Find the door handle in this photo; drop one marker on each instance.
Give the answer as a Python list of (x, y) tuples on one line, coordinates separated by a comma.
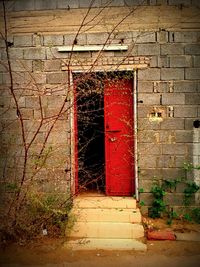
[(113, 139), (113, 131)]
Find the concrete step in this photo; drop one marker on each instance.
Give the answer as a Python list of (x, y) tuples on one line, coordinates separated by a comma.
[(105, 244), (105, 202), (106, 230), (107, 215)]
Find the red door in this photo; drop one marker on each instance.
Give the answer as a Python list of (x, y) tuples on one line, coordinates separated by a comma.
[(119, 137)]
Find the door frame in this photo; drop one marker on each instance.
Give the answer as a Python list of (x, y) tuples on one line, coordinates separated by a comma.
[(74, 130)]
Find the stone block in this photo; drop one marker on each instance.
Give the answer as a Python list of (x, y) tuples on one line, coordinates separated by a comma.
[(198, 107), (154, 62), (52, 65), (147, 161), (145, 87), (20, 77), (184, 37), (192, 99), (143, 111), (152, 74), (185, 86), (185, 112), (162, 37), (172, 74), (53, 40), (144, 37), (149, 149), (4, 66), (163, 87), (174, 199), (15, 53), (189, 123), (183, 136), (21, 65), (161, 235), (97, 38), (196, 149), (173, 173), (145, 124), (38, 65), (32, 102), (192, 49), (172, 123), (179, 161), (149, 99), (172, 49), (146, 185), (148, 136), (165, 161), (2, 43), (64, 4), (34, 53), (119, 37), (24, 5), (180, 61), (192, 73), (27, 113), (163, 61), (52, 53), (55, 101), (1, 78), (38, 78), (42, 5), (25, 40), (185, 3), (56, 77), (196, 61), (96, 3), (167, 136), (150, 173), (37, 40), (69, 39), (113, 3), (173, 99), (149, 49), (146, 198), (173, 149)]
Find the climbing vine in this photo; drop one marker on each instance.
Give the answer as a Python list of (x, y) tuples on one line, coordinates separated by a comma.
[(161, 208)]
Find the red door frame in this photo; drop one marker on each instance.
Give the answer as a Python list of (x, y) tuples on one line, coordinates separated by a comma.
[(75, 126)]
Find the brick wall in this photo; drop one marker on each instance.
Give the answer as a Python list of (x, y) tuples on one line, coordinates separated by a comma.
[(171, 81)]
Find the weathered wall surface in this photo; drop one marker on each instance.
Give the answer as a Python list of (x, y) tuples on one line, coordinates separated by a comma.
[(166, 31)]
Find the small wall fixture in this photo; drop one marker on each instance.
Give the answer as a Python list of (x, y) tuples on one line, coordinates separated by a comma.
[(196, 124), (155, 116)]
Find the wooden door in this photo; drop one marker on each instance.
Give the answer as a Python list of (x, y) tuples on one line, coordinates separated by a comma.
[(119, 137)]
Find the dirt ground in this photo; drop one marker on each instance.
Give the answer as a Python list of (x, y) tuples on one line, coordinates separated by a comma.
[(51, 253)]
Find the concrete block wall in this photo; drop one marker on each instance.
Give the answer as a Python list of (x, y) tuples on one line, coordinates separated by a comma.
[(37, 82), (170, 83)]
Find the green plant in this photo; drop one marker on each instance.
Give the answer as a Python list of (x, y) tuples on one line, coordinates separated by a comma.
[(142, 203), (189, 191), (187, 217), (171, 216), (196, 215), (158, 204)]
